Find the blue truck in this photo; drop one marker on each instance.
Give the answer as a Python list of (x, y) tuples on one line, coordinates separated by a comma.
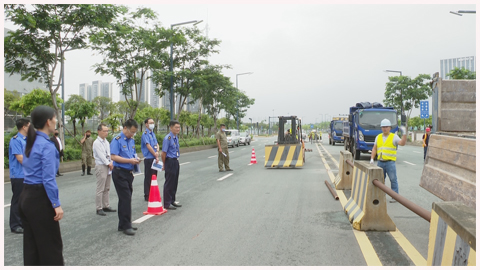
[(335, 134), (363, 126)]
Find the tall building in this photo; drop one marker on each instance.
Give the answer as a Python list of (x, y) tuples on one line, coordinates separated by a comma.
[(446, 65), (83, 90), (95, 89), (154, 98), (106, 90)]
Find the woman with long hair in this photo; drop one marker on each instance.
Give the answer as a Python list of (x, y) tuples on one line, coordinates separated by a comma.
[(40, 209)]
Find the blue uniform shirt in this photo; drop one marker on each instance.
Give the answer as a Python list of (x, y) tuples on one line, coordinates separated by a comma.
[(42, 166), (123, 147), (149, 137), (170, 146), (16, 147)]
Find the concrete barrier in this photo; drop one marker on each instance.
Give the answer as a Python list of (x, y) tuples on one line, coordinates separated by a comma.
[(76, 165), (452, 237), (344, 177), (450, 169), (367, 208)]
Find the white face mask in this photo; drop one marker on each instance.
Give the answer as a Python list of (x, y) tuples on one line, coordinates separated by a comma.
[(223, 129), (151, 126)]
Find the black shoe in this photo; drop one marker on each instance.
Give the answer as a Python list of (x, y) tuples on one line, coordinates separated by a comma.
[(129, 231), (101, 213), (109, 209), (133, 228), (221, 170), (146, 199), (18, 230), (229, 170), (171, 207), (83, 173), (59, 175), (176, 204), (90, 173)]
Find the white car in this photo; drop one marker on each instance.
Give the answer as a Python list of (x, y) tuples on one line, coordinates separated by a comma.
[(233, 137), (245, 138)]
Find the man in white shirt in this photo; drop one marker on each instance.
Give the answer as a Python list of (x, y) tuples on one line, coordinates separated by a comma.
[(103, 168)]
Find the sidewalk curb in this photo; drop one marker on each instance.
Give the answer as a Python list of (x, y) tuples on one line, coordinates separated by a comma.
[(76, 165)]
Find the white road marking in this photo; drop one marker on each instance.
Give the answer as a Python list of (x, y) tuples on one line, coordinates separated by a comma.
[(142, 219), (212, 156), (409, 163), (250, 164), (243, 148), (226, 176), (232, 151), (417, 152), (6, 205), (184, 163)]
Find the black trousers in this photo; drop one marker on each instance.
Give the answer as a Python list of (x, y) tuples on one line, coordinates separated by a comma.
[(123, 180), (172, 170), (42, 240), (17, 187), (148, 176)]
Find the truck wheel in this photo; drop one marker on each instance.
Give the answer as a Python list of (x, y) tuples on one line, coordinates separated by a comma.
[(355, 152), (248, 143)]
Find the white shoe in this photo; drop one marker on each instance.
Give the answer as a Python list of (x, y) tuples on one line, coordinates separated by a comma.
[(393, 200)]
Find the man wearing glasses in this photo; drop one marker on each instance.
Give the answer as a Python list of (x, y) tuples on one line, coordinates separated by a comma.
[(103, 168), (122, 150), (385, 147)]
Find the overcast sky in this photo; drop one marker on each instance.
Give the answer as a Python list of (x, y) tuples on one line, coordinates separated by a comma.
[(311, 60)]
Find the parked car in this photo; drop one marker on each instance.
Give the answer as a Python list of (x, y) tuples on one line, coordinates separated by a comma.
[(245, 138), (233, 137)]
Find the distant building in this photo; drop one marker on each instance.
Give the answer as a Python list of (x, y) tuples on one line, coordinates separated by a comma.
[(95, 89), (154, 98), (14, 81), (83, 90), (446, 65), (106, 90)]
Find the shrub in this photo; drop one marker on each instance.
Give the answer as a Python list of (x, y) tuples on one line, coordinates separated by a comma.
[(72, 154), (6, 162)]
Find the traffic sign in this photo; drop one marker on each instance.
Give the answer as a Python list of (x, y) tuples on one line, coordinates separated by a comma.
[(424, 109), (311, 126)]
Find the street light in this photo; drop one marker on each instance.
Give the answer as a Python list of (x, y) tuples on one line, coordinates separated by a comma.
[(401, 98), (236, 86), (463, 11), (171, 64)]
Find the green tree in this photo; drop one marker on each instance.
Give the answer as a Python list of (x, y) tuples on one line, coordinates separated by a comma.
[(104, 105), (8, 99), (36, 49), (78, 108), (238, 103), (414, 90), (164, 117), (131, 46), (123, 108), (143, 112), (30, 101), (461, 74), (113, 120), (191, 50), (207, 122), (184, 119)]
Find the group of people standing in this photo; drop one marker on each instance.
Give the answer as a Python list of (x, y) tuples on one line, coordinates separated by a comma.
[(34, 162)]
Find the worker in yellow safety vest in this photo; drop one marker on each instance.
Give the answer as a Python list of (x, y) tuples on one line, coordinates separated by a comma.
[(385, 148)]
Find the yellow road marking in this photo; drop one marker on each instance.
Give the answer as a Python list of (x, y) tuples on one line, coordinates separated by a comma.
[(411, 251)]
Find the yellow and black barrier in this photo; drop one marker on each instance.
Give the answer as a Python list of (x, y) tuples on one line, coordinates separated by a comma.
[(452, 237), (284, 155), (367, 208), (344, 177)]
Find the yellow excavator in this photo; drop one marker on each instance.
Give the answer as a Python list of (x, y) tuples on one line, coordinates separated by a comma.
[(289, 149)]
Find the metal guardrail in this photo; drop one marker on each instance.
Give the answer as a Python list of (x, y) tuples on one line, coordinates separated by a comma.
[(404, 201), (334, 193), (350, 163)]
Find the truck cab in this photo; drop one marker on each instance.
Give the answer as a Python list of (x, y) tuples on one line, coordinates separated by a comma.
[(335, 135), (363, 126)]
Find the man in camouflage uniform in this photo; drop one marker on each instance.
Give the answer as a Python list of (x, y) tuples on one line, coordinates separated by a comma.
[(222, 143), (87, 152)]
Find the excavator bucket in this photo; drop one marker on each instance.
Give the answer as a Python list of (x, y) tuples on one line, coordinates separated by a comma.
[(284, 156)]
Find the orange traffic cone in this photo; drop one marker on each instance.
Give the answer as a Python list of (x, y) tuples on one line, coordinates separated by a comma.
[(253, 160), (155, 206)]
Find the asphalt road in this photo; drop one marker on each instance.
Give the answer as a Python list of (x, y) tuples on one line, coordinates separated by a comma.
[(254, 216)]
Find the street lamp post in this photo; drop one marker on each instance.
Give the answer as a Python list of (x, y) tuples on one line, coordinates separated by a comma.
[(236, 86), (251, 125), (402, 118), (171, 64)]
